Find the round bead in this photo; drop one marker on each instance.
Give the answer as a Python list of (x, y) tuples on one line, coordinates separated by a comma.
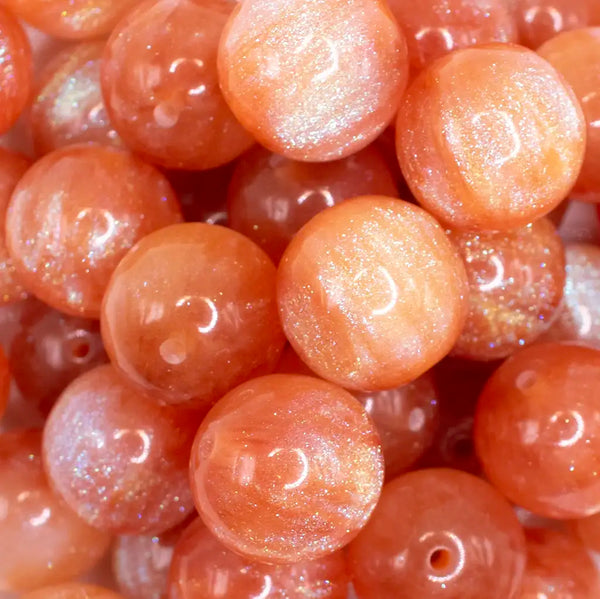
[(162, 90), (537, 430), (73, 590), (74, 215), (188, 329), (204, 569), (286, 468), (68, 107), (371, 293), (271, 197), (117, 458), (516, 281), (498, 158), (42, 542), (439, 533), (313, 84)]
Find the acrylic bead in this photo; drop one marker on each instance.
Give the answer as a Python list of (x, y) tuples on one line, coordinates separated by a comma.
[(439, 533), (271, 197), (516, 281), (117, 458), (313, 84), (73, 590), (286, 468), (74, 215), (371, 293), (42, 541), (490, 138), (537, 430), (191, 329), (171, 110)]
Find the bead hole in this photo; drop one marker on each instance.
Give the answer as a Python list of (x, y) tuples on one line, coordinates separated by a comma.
[(463, 448), (80, 350), (439, 559)]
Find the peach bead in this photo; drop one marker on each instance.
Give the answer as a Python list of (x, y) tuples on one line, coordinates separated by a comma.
[(286, 468), (490, 138), (159, 79), (271, 197), (537, 430), (191, 312), (68, 107), (202, 568), (313, 82), (516, 281), (12, 167), (42, 542), (73, 590), (436, 27), (372, 293), (439, 533), (576, 56), (74, 215)]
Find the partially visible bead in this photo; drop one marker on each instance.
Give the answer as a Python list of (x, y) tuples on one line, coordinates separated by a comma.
[(73, 590)]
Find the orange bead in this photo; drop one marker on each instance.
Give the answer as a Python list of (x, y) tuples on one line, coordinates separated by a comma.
[(75, 214), (202, 568), (576, 56), (190, 312), (171, 110), (537, 430), (68, 107), (286, 468), (516, 281), (436, 27), (73, 590), (490, 138), (315, 82), (42, 542), (271, 197), (371, 293)]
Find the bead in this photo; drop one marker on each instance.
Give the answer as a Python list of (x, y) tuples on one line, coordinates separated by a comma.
[(50, 350), (286, 468), (117, 458), (516, 281), (73, 590), (537, 430), (371, 293), (437, 27), (12, 167), (271, 197), (498, 158), (41, 541), (576, 56), (74, 215), (439, 533), (68, 107), (171, 110), (192, 329), (204, 569), (315, 84)]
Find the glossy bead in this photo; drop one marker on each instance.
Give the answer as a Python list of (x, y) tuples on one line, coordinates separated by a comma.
[(558, 567), (371, 293), (516, 281), (172, 111), (537, 430), (116, 457), (68, 107), (50, 350), (286, 468), (576, 55), (437, 27), (496, 159), (192, 329), (16, 70), (271, 197), (42, 542), (12, 167), (74, 215), (315, 84), (439, 533), (204, 569), (73, 590)]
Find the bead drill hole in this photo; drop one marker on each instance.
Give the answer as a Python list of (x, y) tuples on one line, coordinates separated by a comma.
[(439, 559), (80, 350)]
